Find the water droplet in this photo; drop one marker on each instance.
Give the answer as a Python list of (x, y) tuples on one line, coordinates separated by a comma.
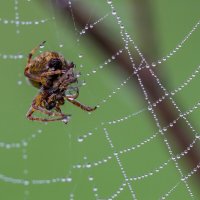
[(80, 55), (66, 119), (89, 133), (80, 139), (78, 166), (69, 179), (77, 75), (153, 64), (149, 107), (84, 83), (164, 129), (39, 131), (26, 182), (90, 178), (24, 143), (114, 12), (88, 165), (41, 46), (19, 82), (171, 124), (83, 31)]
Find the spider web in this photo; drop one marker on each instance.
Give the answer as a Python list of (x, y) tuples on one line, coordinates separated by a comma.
[(120, 151)]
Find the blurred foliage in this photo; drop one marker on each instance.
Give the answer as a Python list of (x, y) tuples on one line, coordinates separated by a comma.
[(54, 151)]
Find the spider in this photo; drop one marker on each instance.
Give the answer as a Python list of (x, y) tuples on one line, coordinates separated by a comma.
[(53, 76)]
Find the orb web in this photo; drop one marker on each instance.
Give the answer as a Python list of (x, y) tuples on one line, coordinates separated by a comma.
[(121, 149)]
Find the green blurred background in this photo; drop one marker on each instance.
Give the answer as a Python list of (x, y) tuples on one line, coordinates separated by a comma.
[(51, 151)]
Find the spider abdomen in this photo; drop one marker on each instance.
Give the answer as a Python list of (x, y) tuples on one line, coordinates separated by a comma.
[(47, 61), (41, 62)]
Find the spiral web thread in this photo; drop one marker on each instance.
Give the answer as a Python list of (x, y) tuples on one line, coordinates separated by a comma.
[(115, 154)]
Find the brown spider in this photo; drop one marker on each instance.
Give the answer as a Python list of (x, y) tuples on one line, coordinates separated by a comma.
[(53, 75)]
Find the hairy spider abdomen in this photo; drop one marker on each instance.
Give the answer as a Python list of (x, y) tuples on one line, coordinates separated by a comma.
[(45, 62)]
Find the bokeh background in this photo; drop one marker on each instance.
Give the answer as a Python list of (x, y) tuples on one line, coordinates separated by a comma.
[(48, 161)]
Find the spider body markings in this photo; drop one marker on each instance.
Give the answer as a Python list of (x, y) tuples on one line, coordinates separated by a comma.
[(53, 75), (45, 67)]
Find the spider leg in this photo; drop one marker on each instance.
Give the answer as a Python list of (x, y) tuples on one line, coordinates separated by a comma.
[(31, 76), (77, 103), (36, 106), (57, 108), (40, 78), (29, 115), (26, 70), (34, 50), (64, 81), (47, 112), (50, 73)]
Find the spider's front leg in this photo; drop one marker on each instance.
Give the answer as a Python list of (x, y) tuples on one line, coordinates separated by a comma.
[(78, 104), (33, 51), (27, 68)]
